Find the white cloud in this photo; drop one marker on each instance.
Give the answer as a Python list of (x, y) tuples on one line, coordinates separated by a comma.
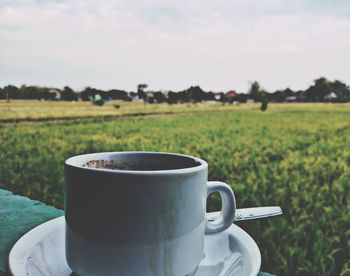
[(173, 44)]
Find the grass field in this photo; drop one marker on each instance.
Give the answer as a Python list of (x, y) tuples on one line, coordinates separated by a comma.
[(31, 110), (295, 156), (22, 110)]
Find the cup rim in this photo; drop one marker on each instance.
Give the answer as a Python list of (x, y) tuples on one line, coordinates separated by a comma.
[(72, 163)]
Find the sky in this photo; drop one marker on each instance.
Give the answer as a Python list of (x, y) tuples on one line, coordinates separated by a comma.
[(173, 44)]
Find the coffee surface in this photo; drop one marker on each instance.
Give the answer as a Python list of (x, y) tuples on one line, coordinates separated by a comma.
[(118, 165)]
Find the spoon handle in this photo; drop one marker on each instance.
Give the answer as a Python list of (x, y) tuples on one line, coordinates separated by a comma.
[(251, 213)]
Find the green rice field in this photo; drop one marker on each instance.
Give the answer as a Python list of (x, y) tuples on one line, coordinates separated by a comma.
[(293, 155)]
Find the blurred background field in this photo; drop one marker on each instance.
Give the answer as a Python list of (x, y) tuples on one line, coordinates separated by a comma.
[(34, 109), (294, 155)]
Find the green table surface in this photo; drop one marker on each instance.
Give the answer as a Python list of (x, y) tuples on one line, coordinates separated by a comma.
[(18, 215)]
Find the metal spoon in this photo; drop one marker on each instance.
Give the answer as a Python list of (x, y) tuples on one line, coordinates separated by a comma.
[(251, 213)]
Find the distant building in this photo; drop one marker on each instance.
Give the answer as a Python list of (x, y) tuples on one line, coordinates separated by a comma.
[(291, 99), (149, 96), (218, 96), (331, 96), (230, 95), (57, 94), (136, 99)]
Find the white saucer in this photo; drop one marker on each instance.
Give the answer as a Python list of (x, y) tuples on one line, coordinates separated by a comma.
[(41, 251)]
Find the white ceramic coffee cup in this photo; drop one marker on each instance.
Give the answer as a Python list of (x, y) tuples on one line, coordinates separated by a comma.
[(140, 222)]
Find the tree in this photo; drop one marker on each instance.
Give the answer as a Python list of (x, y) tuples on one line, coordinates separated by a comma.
[(288, 92), (89, 93), (184, 96), (242, 98), (192, 94), (277, 96), (12, 92), (68, 94), (255, 91), (341, 90), (31, 92), (2, 94), (173, 97), (196, 94), (318, 91), (210, 96), (221, 96), (118, 95), (48, 95), (159, 97), (140, 91), (264, 104)]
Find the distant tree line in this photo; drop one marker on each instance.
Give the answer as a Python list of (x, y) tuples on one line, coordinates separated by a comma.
[(322, 90)]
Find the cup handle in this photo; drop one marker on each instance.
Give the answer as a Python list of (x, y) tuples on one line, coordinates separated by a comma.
[(228, 210)]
